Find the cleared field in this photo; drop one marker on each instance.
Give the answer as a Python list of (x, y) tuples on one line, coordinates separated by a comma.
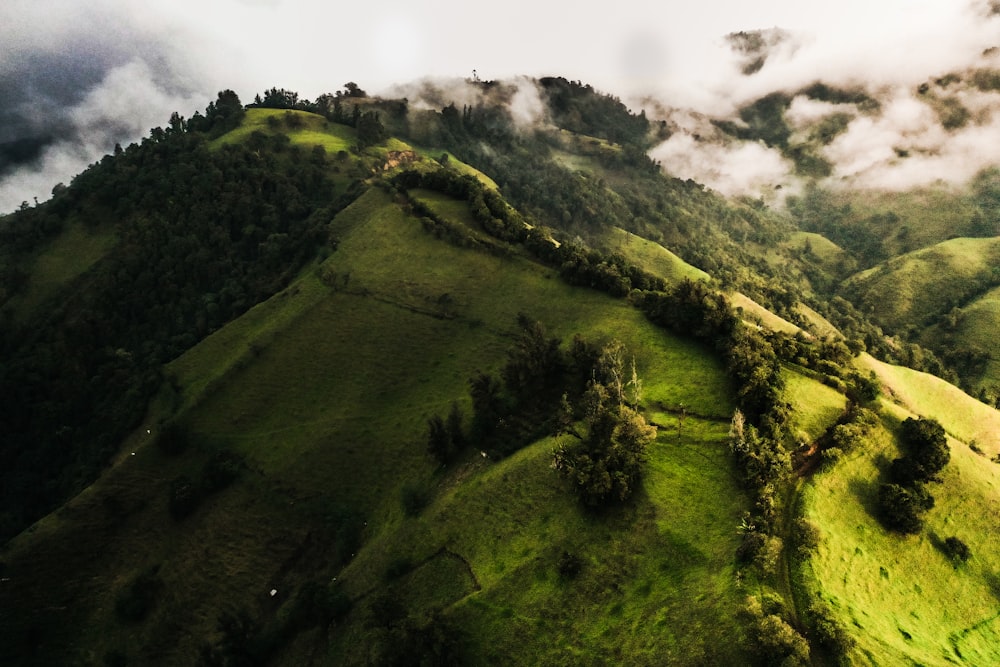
[(652, 257), (302, 128), (900, 597)]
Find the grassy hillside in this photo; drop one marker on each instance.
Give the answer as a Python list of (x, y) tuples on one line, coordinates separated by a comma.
[(921, 286), (56, 265), (891, 588), (278, 503), (323, 393)]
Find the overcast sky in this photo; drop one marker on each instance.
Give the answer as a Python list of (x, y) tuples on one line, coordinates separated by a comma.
[(75, 77)]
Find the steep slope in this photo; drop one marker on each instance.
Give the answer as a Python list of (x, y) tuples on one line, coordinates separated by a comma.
[(322, 393), (919, 287), (904, 597)]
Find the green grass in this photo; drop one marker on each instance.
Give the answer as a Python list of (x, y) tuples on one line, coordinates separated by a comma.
[(759, 313), (918, 287), (456, 165), (324, 390), (815, 406), (657, 576), (900, 597), (311, 129), (65, 258), (975, 329), (962, 416), (927, 216), (826, 251), (652, 257)]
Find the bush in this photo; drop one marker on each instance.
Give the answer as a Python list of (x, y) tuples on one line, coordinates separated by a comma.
[(173, 439), (414, 499), (220, 471), (827, 632), (957, 550), (903, 507), (772, 639), (569, 565), (806, 535), (769, 555)]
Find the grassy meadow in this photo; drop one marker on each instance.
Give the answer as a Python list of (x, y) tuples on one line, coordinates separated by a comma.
[(901, 598)]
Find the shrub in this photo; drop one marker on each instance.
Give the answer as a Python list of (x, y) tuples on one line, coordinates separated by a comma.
[(806, 535), (957, 550), (397, 567), (220, 471), (903, 507), (569, 565), (414, 499), (769, 555), (753, 542), (173, 438), (827, 631), (772, 639)]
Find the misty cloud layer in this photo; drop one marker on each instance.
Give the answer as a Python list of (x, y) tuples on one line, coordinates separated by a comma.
[(76, 78)]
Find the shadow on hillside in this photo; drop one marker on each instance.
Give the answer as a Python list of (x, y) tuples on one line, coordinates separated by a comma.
[(993, 581), (866, 491)]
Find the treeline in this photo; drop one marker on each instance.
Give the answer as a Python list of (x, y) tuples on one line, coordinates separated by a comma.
[(202, 236)]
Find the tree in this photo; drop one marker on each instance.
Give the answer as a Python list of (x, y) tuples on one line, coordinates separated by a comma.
[(928, 446), (606, 465), (903, 507), (370, 129), (351, 89)]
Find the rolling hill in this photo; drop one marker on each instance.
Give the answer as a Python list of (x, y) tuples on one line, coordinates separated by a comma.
[(246, 471)]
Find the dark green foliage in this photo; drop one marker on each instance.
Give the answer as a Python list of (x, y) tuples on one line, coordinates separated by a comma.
[(414, 498), (772, 639), (957, 550), (903, 507), (242, 643), (135, 600), (863, 390), (579, 108), (446, 438), (851, 430), (605, 465), (173, 438), (203, 235), (569, 565), (928, 449), (805, 535), (370, 129), (827, 631)]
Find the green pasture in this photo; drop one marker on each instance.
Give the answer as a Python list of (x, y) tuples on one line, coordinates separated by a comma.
[(919, 287), (652, 256), (307, 129)]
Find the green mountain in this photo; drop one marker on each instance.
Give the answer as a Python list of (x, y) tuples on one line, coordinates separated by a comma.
[(356, 382)]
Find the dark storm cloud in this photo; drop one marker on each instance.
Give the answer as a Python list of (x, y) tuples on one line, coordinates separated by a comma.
[(74, 80)]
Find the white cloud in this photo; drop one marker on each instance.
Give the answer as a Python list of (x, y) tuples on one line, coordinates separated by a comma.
[(736, 168)]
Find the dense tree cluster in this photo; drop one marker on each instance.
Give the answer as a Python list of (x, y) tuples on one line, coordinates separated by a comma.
[(202, 236), (904, 498), (579, 108), (605, 464)]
